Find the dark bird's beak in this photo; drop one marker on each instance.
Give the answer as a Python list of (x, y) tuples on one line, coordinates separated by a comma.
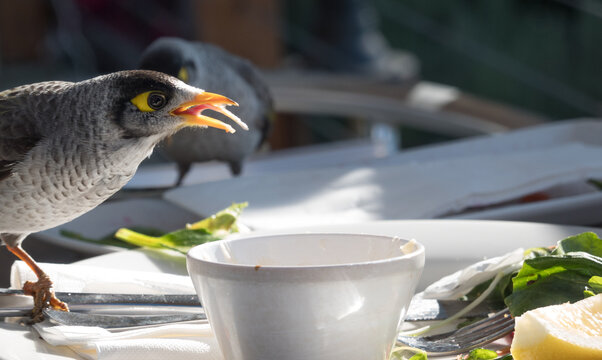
[(190, 111)]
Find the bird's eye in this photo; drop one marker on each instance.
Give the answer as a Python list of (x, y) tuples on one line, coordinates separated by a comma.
[(183, 74), (149, 101), (156, 100)]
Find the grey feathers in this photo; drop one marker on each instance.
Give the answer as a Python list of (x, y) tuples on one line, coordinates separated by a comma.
[(66, 147), (214, 70), (22, 112)]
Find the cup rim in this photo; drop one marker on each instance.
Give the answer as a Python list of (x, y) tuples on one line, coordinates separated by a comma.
[(418, 251)]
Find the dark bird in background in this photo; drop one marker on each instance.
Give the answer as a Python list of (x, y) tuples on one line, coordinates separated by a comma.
[(66, 147), (213, 69)]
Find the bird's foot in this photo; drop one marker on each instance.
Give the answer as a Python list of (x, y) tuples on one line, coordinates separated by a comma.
[(43, 297)]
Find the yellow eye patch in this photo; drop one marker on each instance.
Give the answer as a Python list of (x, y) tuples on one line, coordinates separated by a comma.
[(183, 74), (149, 101)]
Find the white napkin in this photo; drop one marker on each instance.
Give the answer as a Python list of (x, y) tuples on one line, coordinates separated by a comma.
[(395, 191), (458, 284), (83, 278), (171, 341), (174, 342)]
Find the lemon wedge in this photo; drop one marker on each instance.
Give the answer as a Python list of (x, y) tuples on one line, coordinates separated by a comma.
[(567, 331)]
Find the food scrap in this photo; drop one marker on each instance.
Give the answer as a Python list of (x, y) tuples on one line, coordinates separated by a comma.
[(215, 227), (555, 294), (565, 331)]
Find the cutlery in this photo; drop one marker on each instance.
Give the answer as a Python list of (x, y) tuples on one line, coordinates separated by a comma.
[(91, 307), (420, 309), (464, 339), (116, 322), (429, 309), (111, 309), (101, 298)]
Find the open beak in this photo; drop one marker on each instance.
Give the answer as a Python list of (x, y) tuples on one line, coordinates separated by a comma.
[(190, 111)]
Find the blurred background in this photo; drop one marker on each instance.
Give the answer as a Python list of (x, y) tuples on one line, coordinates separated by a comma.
[(480, 66)]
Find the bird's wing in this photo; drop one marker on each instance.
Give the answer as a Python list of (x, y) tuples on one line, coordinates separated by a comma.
[(20, 129)]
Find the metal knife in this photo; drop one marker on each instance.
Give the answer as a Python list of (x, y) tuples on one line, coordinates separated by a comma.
[(115, 322), (131, 299), (170, 304)]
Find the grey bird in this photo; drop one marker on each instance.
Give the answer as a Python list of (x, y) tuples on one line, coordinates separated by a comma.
[(66, 147), (213, 69)]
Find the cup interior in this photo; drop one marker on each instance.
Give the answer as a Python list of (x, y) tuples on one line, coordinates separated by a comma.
[(299, 250)]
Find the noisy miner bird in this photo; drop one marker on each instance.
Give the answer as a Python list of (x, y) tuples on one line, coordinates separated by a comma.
[(66, 147), (200, 64)]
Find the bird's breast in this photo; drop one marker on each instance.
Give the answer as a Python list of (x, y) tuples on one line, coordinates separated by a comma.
[(60, 181)]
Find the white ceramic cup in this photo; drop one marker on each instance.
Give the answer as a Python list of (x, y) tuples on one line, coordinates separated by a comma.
[(306, 296)]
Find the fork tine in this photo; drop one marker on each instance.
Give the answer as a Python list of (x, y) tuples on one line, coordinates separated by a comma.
[(466, 338), (491, 336), (485, 326), (486, 322), (495, 331), (474, 327)]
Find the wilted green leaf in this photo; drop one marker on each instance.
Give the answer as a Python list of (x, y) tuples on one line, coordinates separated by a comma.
[(110, 239), (213, 228), (224, 220)]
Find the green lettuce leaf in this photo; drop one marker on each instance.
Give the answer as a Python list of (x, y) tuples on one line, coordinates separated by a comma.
[(594, 286), (587, 242), (213, 228), (110, 238), (551, 280), (222, 221)]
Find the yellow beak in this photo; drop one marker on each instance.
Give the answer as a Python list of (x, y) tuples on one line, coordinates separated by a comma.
[(191, 111)]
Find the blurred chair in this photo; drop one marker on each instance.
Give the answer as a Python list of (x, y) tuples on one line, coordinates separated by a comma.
[(427, 106)]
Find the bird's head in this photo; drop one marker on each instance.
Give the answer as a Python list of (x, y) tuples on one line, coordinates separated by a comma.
[(154, 104)]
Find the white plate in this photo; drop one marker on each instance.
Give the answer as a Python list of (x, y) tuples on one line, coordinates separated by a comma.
[(454, 244), (108, 217), (450, 245)]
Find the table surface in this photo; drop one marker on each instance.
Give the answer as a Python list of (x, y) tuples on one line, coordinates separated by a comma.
[(443, 239)]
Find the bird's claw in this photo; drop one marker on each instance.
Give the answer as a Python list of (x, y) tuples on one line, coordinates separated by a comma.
[(43, 297)]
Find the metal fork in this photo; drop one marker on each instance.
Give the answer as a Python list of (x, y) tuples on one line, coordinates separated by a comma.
[(465, 339)]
